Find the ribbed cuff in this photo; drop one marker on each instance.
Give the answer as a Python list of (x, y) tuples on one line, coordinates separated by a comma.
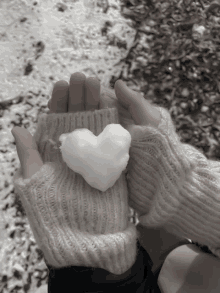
[(51, 126)]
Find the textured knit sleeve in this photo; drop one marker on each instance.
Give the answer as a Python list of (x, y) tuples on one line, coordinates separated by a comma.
[(173, 185)]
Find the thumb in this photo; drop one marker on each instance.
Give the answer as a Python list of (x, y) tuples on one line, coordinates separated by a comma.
[(28, 154), (142, 112)]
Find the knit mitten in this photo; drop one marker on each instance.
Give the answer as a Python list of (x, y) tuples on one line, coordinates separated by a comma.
[(173, 185), (158, 169), (73, 223)]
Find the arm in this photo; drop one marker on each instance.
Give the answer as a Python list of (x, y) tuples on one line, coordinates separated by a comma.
[(158, 243), (188, 269)]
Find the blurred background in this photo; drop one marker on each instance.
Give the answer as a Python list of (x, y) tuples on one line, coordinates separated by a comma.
[(166, 50)]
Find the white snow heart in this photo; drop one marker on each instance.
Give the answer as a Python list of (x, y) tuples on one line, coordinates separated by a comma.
[(99, 159)]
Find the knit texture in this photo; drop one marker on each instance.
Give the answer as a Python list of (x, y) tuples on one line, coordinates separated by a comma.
[(173, 185), (73, 223)]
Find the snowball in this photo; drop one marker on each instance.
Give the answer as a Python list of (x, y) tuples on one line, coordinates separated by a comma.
[(99, 159)]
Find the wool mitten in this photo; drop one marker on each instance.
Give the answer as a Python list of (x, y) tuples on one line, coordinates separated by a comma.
[(73, 223), (173, 185)]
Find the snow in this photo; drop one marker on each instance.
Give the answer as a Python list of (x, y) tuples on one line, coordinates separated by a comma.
[(100, 160)]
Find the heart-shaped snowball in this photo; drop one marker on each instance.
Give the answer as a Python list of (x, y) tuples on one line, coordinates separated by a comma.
[(99, 159)]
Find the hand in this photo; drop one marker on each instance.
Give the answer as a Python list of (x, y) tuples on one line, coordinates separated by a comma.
[(133, 108), (85, 94), (81, 95), (142, 112)]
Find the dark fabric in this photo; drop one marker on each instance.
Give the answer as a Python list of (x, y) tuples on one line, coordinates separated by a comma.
[(81, 279)]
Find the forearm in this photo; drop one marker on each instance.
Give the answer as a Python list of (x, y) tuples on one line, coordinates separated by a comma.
[(158, 243), (188, 269)]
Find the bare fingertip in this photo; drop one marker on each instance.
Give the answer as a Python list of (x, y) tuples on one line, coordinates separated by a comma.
[(61, 83), (108, 93)]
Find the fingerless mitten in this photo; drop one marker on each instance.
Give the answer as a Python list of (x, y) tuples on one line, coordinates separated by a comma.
[(73, 223), (173, 185)]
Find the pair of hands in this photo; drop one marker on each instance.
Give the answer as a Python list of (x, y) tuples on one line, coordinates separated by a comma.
[(85, 94)]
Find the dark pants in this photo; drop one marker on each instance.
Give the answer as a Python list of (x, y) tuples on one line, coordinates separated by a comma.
[(140, 278)]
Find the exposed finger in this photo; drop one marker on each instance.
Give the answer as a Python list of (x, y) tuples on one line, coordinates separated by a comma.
[(28, 154), (139, 108), (49, 103), (59, 97), (108, 98), (76, 92), (92, 94)]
